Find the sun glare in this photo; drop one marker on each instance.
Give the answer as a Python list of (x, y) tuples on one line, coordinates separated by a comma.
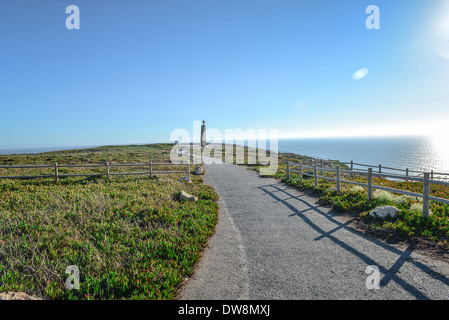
[(362, 73), (442, 33)]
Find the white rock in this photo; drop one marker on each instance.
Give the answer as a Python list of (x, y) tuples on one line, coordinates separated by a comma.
[(184, 196), (199, 170), (384, 211)]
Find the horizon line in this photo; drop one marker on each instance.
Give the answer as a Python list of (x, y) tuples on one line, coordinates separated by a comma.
[(86, 146)]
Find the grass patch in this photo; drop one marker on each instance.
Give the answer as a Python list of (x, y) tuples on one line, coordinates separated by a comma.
[(130, 237)]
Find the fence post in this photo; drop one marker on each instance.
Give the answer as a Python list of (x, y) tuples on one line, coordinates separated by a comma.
[(56, 172), (107, 170), (380, 169), (431, 174), (188, 170), (300, 171), (370, 183), (315, 175), (288, 170), (352, 169), (321, 165), (406, 172), (151, 169), (426, 194), (338, 178)]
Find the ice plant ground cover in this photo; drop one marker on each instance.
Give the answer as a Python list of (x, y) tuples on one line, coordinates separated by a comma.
[(130, 237), (409, 222)]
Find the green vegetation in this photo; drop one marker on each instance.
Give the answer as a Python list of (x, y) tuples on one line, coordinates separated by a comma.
[(130, 237), (118, 154), (409, 222)]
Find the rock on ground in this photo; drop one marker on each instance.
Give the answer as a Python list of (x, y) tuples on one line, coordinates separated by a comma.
[(10, 295), (384, 211), (199, 170), (184, 196), (186, 179)]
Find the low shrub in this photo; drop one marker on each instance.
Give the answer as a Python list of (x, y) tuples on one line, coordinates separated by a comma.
[(409, 221)]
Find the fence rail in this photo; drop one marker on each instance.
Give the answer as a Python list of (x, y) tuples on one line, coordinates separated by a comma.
[(427, 179), (379, 169), (106, 173)]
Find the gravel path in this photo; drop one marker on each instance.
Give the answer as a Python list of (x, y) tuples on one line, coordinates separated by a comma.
[(274, 242)]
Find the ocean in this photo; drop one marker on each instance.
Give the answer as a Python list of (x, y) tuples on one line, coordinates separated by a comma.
[(39, 149), (414, 153)]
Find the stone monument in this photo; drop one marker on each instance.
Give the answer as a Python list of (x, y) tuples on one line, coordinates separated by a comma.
[(203, 134)]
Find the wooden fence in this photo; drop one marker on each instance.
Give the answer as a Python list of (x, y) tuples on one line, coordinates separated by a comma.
[(378, 169), (426, 180), (106, 173)]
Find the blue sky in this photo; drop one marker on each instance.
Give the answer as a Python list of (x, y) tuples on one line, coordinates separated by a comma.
[(137, 70)]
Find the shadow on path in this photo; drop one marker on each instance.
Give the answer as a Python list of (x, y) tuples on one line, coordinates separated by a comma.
[(389, 274)]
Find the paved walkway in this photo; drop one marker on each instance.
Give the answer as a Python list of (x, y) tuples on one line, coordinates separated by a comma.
[(274, 242)]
